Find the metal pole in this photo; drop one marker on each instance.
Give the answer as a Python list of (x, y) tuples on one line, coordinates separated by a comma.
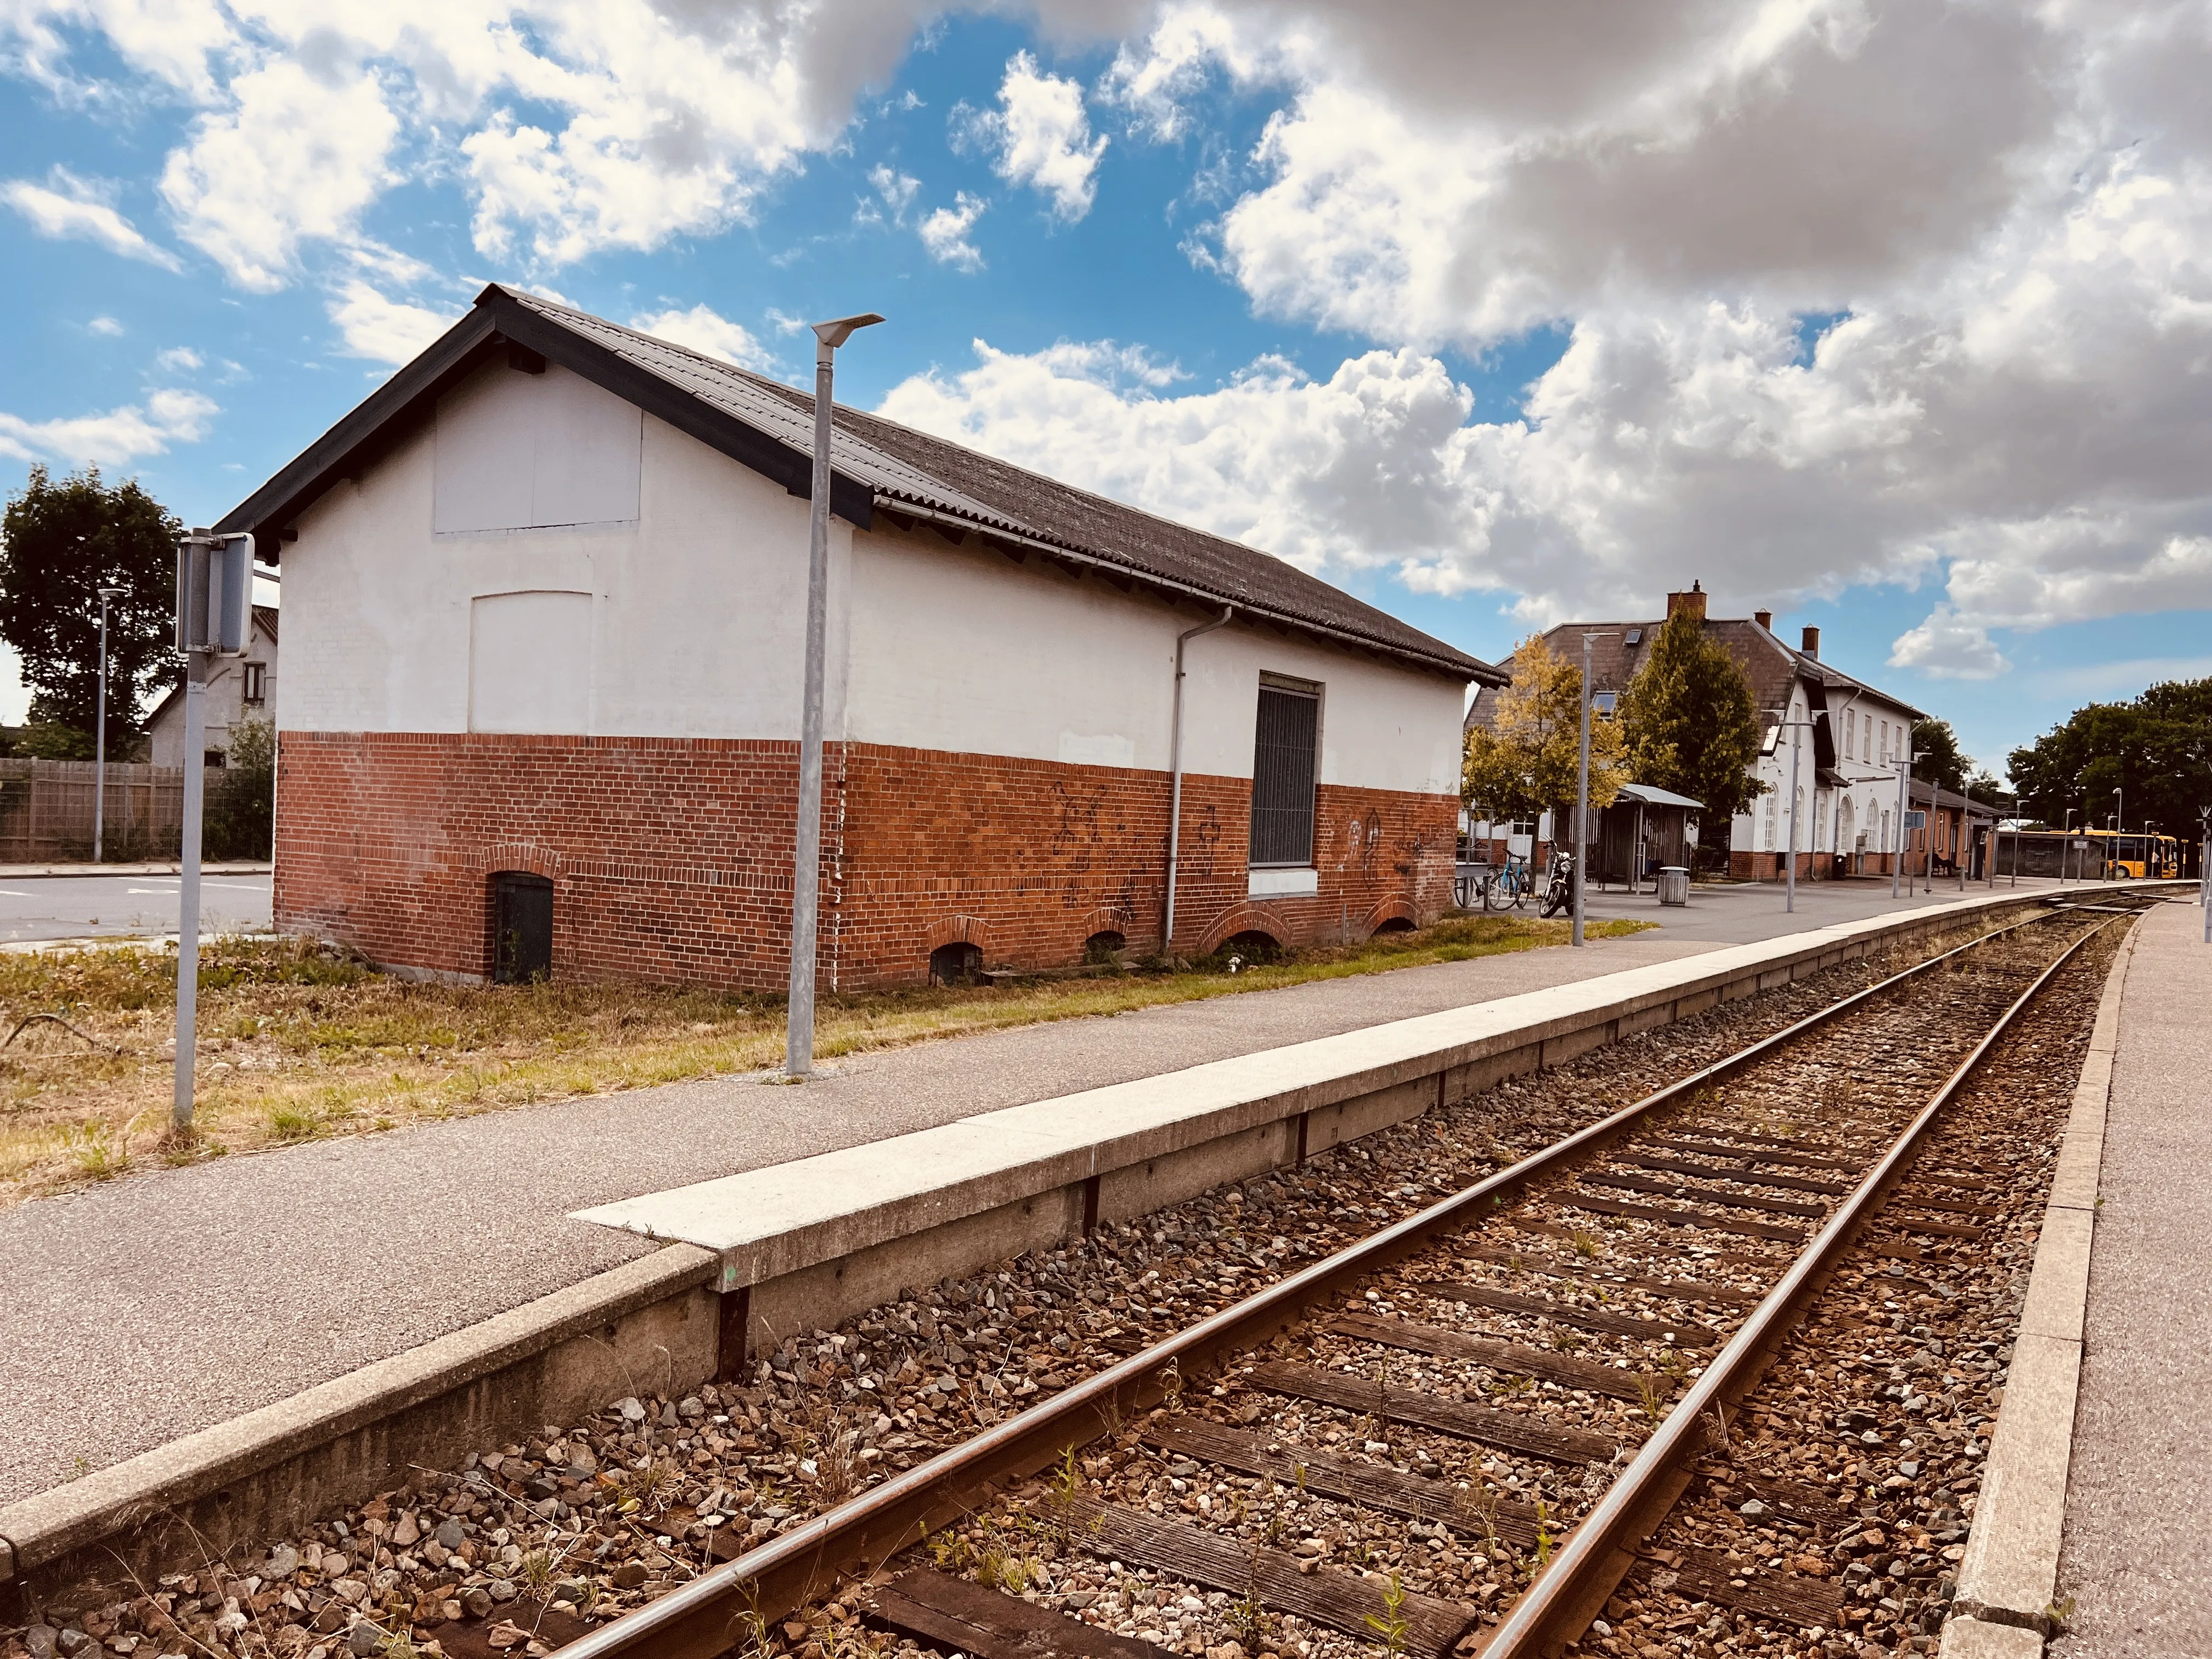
[(1897, 853), (2204, 873), (100, 740), (1790, 903), (806, 867), (1175, 784), (1577, 876), (188, 894), (806, 864)]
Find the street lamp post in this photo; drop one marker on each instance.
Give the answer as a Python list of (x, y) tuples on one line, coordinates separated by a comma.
[(806, 869), (1581, 877), (100, 734), (1781, 720), (1904, 806), (2204, 870)]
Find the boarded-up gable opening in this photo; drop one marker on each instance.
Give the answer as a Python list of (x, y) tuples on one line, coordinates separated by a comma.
[(530, 662)]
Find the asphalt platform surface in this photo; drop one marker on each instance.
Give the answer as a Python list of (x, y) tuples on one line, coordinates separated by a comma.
[(2139, 1493), (145, 1309)]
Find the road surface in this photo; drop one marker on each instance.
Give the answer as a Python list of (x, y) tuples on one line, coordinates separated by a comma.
[(34, 907)]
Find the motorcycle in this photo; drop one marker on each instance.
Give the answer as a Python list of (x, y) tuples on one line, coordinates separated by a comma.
[(1559, 891)]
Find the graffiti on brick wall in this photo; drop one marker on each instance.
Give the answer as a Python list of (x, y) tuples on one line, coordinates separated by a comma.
[(1205, 836), (1078, 825)]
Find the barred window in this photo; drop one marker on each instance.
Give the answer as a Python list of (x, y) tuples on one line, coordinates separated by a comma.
[(1283, 768)]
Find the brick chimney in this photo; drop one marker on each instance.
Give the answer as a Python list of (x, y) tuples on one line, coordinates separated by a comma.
[(1764, 619), (1694, 602), (1812, 646)]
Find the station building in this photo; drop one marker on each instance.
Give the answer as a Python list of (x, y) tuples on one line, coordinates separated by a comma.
[(1851, 737), (545, 609)]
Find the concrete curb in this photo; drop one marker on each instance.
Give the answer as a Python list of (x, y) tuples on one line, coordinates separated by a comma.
[(672, 1319), (2010, 1570), (620, 1332)]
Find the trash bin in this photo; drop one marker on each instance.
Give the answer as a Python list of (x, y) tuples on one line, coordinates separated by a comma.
[(1674, 884)]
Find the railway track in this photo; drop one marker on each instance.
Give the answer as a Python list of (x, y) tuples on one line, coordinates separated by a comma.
[(1459, 1434)]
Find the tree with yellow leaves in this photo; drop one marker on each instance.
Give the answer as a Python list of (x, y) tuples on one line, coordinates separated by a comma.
[(1524, 762)]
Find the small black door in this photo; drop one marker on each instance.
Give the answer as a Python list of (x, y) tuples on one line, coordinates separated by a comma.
[(522, 928)]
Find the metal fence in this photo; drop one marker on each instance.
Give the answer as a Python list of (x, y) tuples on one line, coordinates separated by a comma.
[(46, 806)]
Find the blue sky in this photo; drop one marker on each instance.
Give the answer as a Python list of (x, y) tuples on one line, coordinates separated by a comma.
[(1377, 292)]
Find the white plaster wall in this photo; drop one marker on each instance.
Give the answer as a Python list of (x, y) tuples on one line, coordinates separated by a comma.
[(696, 617), (960, 648), (697, 610)]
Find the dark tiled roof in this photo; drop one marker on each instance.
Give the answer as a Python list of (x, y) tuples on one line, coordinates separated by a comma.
[(878, 465), (1927, 794), (1771, 666)]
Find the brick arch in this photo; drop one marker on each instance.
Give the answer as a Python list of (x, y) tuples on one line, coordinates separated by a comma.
[(1242, 919), (519, 855), (1108, 919), (1390, 909), (959, 930)]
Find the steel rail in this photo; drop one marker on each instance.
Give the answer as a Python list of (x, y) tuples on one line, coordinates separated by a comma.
[(1558, 1606), (697, 1619)]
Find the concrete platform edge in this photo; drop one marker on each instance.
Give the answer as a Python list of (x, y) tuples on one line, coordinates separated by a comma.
[(2010, 1570), (626, 1329)]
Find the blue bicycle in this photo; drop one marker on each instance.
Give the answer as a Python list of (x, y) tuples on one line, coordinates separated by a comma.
[(1508, 887)]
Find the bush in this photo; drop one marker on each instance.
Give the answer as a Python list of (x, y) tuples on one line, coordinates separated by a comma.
[(241, 812)]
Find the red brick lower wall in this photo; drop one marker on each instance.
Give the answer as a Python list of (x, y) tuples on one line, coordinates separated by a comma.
[(670, 858)]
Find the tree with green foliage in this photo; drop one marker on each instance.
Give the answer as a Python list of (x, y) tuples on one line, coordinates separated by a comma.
[(1526, 760), (1942, 762), (2156, 749), (60, 543), (241, 809), (1691, 722)]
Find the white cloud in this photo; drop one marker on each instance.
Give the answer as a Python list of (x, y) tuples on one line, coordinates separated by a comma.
[(576, 128), (68, 207), (293, 158), (896, 190), (2010, 204), (106, 327), (1948, 648), (385, 330), (178, 360), (944, 233), (119, 435), (1370, 467), (1039, 136), (703, 329)]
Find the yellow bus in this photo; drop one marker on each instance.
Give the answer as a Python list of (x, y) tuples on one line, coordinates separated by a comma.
[(2129, 852)]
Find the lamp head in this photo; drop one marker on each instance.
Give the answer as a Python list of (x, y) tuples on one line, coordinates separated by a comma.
[(835, 332)]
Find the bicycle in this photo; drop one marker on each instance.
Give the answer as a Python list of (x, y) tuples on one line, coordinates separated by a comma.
[(1509, 887)]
